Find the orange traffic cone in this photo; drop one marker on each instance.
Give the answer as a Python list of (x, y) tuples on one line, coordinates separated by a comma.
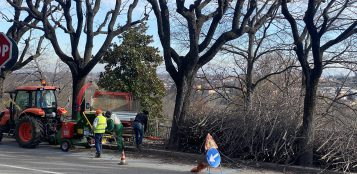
[(122, 159)]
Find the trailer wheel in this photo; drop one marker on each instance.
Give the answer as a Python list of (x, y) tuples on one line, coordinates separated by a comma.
[(65, 145), (29, 132)]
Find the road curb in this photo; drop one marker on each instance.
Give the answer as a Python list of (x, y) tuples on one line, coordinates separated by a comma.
[(242, 163), (290, 168)]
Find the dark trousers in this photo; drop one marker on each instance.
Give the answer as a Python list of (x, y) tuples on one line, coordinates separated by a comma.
[(98, 142), (139, 131)]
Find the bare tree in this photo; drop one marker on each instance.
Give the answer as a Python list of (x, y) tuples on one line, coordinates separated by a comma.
[(265, 42), (56, 73), (202, 49), (237, 83), (325, 24), (21, 30), (57, 16)]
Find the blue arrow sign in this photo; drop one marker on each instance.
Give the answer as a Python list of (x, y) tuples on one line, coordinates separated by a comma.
[(213, 158)]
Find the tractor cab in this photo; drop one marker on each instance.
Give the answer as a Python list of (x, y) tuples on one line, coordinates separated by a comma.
[(36, 100)]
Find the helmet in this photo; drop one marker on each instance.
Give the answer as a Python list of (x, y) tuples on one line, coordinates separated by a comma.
[(98, 111)]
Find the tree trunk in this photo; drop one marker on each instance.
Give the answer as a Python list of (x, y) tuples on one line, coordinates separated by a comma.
[(250, 64), (182, 103), (249, 85), (305, 142), (78, 82)]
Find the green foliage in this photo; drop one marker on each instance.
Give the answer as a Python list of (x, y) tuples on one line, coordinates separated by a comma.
[(131, 67)]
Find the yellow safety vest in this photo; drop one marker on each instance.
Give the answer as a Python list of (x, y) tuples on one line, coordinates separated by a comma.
[(102, 124)]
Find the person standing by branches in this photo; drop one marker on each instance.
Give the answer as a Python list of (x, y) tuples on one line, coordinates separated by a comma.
[(117, 129), (140, 126), (115, 126)]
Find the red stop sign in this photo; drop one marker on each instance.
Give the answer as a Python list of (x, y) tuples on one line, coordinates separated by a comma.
[(5, 49)]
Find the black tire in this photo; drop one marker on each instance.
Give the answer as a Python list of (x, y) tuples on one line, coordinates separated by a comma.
[(65, 145), (36, 133)]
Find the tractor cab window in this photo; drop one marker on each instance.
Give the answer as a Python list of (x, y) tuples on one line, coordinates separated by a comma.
[(46, 99), (22, 100)]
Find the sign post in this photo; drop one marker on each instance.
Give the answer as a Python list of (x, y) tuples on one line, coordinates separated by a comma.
[(213, 157)]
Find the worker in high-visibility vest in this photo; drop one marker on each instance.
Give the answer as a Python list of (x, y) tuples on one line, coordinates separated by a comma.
[(99, 125)]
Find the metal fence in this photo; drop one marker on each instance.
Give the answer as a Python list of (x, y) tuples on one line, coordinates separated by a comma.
[(158, 132)]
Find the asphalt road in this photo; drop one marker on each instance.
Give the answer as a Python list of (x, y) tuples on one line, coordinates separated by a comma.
[(50, 159)]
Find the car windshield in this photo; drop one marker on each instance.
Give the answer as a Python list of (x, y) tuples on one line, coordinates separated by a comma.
[(46, 99)]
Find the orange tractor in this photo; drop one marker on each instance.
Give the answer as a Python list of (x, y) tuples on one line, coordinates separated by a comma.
[(33, 115)]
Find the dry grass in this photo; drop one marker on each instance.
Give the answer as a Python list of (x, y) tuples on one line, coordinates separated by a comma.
[(268, 132)]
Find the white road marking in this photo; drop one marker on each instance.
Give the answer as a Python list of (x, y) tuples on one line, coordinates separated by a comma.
[(24, 168)]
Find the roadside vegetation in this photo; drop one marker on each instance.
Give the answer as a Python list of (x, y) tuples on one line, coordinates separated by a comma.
[(268, 131)]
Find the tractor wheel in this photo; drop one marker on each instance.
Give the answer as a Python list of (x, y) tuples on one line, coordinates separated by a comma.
[(29, 132), (65, 145)]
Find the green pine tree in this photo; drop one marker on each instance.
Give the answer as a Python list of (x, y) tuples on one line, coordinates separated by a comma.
[(131, 67)]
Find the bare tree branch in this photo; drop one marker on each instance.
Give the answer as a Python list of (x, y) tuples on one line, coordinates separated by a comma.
[(344, 35)]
